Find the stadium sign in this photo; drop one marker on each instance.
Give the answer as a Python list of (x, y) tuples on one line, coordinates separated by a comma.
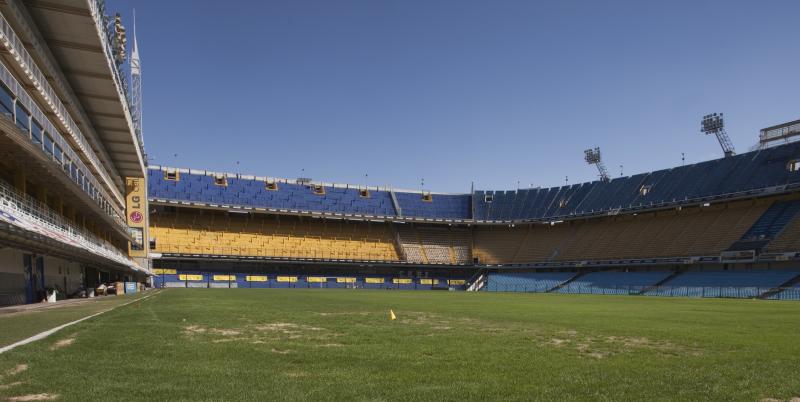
[(136, 210)]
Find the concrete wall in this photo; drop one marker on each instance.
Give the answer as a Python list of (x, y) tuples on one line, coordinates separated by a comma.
[(12, 278), (62, 274), (67, 276)]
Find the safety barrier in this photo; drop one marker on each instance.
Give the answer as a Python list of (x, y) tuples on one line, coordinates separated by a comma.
[(668, 291), (240, 280), (25, 212)]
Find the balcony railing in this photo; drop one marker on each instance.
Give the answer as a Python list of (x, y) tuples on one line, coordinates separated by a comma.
[(732, 292), (104, 25), (60, 151), (270, 252), (40, 218), (17, 49)]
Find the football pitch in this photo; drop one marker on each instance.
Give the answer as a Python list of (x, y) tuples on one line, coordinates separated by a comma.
[(338, 344)]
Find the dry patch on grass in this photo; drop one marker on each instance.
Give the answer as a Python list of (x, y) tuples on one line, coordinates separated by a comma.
[(281, 352), (19, 368), (62, 343), (602, 347), (15, 370), (329, 314), (261, 333), (418, 317), (440, 323), (431, 321), (794, 399), (286, 328), (662, 347), (193, 329), (291, 331), (225, 332), (33, 397)]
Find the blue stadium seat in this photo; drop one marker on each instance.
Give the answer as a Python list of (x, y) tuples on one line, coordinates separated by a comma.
[(538, 282), (741, 173), (614, 282), (746, 172), (738, 283)]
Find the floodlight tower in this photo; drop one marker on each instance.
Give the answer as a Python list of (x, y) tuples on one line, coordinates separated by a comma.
[(592, 157), (136, 90), (119, 40), (714, 123)]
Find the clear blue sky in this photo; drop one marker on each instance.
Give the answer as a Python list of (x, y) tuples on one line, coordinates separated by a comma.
[(493, 92)]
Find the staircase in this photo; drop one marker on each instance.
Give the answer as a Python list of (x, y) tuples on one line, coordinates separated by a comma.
[(661, 282), (768, 226), (396, 204), (567, 282), (788, 284), (478, 281), (398, 243)]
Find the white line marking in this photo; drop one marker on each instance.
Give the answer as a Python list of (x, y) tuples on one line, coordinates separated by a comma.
[(52, 331)]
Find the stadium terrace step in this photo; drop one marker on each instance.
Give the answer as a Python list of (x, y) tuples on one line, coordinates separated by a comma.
[(565, 283), (613, 282), (478, 281), (539, 282), (744, 175), (661, 282), (744, 245), (779, 284), (791, 283), (768, 226)]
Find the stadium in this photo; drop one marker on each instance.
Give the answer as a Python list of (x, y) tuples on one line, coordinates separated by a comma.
[(124, 279)]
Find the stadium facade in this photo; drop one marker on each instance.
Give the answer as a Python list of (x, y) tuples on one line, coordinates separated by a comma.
[(73, 210), (724, 227), (80, 207)]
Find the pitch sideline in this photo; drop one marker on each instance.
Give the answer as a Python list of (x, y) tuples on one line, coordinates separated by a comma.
[(52, 331)]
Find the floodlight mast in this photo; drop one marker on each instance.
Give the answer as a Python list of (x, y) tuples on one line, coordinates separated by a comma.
[(592, 156), (136, 88), (715, 124)]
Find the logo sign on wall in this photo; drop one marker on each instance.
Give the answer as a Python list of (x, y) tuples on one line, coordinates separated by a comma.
[(136, 208), (136, 217)]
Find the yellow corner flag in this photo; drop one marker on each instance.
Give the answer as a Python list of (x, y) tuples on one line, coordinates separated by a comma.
[(392, 316)]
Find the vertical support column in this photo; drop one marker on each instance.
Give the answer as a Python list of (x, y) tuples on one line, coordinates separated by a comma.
[(69, 212), (59, 205), (396, 204), (136, 211), (41, 194), (19, 181)]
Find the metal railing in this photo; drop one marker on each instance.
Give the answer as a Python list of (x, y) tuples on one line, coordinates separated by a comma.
[(270, 252), (104, 25), (774, 188), (15, 46), (238, 280), (23, 98), (38, 215), (733, 292)]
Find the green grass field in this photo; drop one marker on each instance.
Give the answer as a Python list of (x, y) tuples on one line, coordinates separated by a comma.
[(316, 344)]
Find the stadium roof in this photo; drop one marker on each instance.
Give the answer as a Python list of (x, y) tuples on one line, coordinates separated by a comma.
[(74, 32)]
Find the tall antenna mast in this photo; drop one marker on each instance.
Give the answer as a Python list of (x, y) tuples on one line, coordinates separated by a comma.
[(592, 156), (715, 124), (136, 90)]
